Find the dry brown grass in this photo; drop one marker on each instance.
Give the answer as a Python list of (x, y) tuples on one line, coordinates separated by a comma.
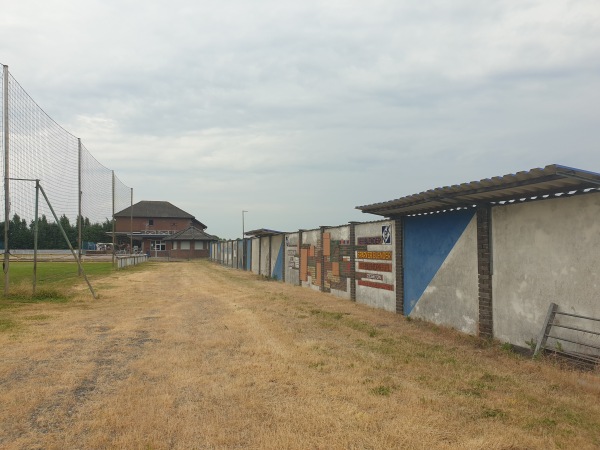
[(193, 355)]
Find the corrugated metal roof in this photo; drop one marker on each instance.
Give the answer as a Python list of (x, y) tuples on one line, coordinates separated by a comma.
[(191, 234), (262, 232), (550, 180)]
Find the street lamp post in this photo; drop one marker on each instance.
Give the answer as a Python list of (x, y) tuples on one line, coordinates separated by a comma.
[(243, 243)]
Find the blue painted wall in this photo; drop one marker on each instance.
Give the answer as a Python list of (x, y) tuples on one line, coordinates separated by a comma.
[(427, 242), (248, 254), (278, 269)]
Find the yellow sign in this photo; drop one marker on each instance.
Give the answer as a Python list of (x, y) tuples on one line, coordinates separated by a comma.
[(387, 256)]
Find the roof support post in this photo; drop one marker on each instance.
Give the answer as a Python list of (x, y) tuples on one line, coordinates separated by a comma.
[(300, 257), (322, 258), (353, 261), (269, 266), (484, 269), (6, 133), (399, 263)]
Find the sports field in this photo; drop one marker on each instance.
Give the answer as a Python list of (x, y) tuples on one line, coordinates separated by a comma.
[(193, 355)]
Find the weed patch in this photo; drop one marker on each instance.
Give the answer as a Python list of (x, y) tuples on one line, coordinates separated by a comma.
[(47, 295), (6, 325), (37, 317), (382, 390), (361, 326), (327, 314), (491, 413)]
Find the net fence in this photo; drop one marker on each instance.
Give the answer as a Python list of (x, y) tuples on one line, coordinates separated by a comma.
[(40, 149)]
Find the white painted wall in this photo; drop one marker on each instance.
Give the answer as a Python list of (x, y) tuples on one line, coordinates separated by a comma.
[(255, 252), (377, 298), (265, 268), (544, 251), (291, 258)]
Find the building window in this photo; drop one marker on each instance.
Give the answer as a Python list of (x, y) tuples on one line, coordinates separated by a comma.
[(150, 222), (157, 246), (174, 245), (185, 245), (199, 245)]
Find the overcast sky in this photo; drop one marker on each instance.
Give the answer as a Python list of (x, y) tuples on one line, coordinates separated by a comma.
[(298, 111)]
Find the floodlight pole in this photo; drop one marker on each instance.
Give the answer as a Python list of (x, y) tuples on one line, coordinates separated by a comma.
[(243, 243), (5, 130), (113, 217)]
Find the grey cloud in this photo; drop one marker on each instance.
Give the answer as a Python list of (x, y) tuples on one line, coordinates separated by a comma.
[(220, 106)]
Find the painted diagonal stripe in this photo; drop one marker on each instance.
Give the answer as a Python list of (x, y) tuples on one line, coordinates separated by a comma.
[(427, 242)]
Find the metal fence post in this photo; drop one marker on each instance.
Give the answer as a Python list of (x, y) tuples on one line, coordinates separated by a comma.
[(543, 337)]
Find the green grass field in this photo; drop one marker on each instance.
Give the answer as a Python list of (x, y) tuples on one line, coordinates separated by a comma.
[(53, 279)]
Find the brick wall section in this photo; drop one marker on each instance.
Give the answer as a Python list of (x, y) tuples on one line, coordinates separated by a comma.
[(352, 261), (399, 257), (484, 268), (320, 254), (299, 257), (187, 254)]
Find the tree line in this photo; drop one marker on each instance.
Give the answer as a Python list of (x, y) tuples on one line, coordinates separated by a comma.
[(20, 233)]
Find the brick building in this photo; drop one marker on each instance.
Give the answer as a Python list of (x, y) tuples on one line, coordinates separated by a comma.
[(162, 229)]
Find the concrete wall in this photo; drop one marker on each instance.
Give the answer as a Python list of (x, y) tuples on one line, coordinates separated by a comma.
[(255, 255), (234, 254), (543, 252), (240, 254), (440, 269), (375, 265), (292, 259), (310, 266), (277, 256), (337, 251), (248, 255), (265, 264)]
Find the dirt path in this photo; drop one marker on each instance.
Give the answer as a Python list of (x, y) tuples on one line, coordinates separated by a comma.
[(193, 355)]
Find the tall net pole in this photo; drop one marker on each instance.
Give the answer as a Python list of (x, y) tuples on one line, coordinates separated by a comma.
[(35, 233), (6, 176), (84, 194), (79, 192)]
